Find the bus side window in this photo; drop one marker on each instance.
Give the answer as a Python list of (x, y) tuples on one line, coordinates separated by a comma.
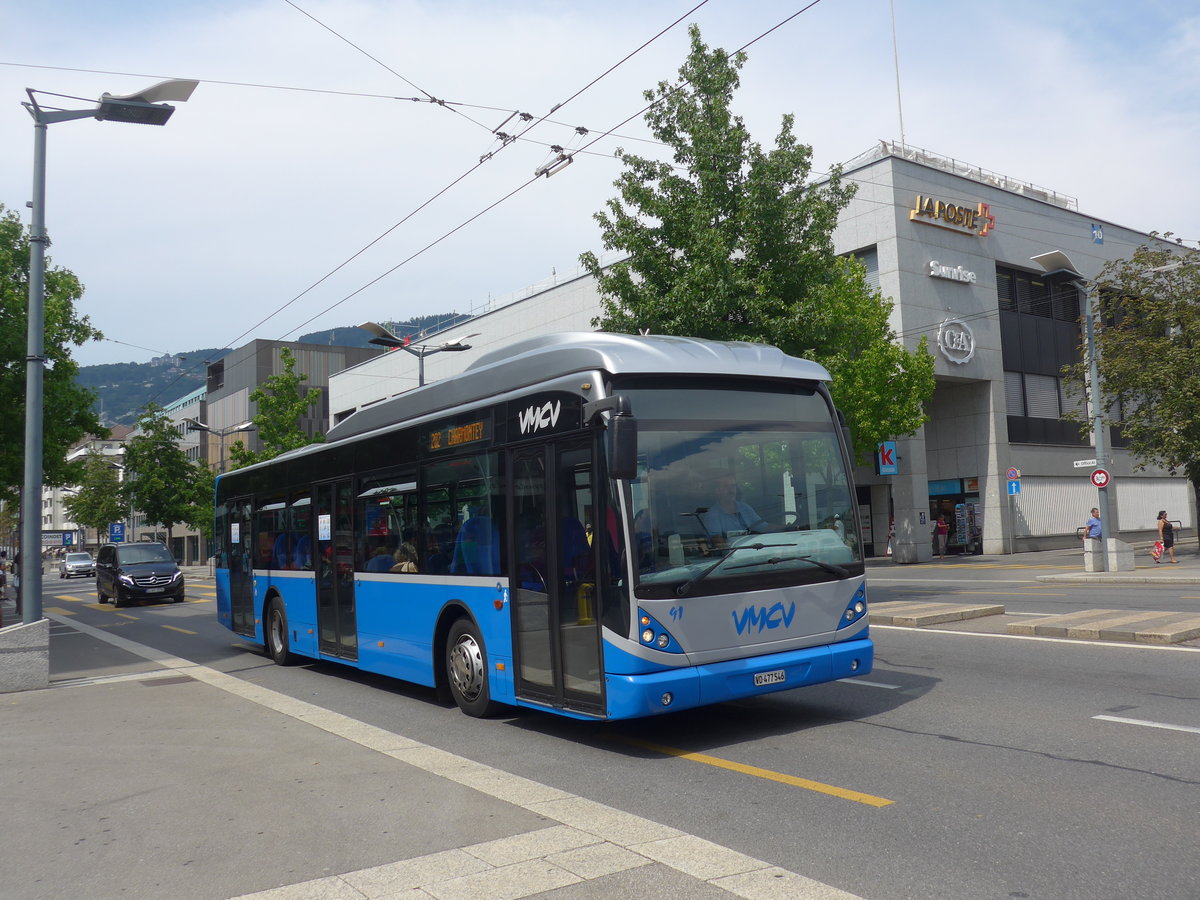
[(299, 539), (387, 506)]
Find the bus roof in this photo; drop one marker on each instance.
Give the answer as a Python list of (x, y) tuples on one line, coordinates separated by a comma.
[(536, 359)]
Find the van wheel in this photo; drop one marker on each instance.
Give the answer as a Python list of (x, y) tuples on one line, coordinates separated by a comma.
[(466, 670), (278, 645)]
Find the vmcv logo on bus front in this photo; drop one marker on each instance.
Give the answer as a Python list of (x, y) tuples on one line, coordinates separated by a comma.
[(536, 418), (763, 617)]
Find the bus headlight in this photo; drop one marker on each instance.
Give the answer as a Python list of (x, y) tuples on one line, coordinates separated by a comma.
[(648, 635), (663, 640), (856, 608)]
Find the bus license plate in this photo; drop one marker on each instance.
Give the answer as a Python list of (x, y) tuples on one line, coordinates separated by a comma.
[(765, 678)]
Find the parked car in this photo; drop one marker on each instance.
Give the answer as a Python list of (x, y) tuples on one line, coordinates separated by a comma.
[(145, 570), (76, 564)]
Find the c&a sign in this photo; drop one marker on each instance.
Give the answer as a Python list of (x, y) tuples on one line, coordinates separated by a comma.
[(954, 216)]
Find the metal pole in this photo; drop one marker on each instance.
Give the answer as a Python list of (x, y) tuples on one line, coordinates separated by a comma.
[(421, 367), (31, 494), (1097, 422)]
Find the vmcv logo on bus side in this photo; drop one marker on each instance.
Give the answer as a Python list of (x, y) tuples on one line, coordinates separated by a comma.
[(763, 617), (536, 418)]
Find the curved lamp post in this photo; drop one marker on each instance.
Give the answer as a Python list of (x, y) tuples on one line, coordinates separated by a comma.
[(222, 433), (385, 338), (144, 108)]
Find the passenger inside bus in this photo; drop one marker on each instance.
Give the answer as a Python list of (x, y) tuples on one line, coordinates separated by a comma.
[(381, 560)]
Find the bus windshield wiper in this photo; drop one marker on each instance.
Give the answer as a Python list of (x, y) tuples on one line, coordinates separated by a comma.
[(775, 560), (686, 588)]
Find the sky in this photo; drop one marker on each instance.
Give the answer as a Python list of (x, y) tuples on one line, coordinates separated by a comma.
[(333, 165)]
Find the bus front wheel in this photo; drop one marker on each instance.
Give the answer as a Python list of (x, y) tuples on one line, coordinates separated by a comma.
[(466, 670), (278, 645)]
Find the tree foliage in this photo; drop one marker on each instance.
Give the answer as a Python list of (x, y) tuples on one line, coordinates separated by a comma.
[(97, 499), (69, 413), (732, 242), (281, 403), (160, 480), (1148, 354)]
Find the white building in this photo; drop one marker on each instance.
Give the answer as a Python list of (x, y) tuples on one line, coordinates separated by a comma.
[(974, 262)]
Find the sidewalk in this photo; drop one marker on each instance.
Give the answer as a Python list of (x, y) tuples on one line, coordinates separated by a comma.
[(1069, 562), (159, 777)]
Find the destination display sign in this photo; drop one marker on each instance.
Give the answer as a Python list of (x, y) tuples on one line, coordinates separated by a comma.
[(458, 435)]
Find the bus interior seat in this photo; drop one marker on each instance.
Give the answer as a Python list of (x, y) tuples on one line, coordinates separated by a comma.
[(477, 548)]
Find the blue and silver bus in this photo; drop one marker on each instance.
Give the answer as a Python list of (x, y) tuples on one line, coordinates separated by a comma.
[(597, 525)]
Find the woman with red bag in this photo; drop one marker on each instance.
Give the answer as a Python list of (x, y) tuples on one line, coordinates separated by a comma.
[(1166, 538)]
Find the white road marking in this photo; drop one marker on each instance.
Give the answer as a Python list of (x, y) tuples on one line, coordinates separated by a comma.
[(1191, 729), (886, 687)]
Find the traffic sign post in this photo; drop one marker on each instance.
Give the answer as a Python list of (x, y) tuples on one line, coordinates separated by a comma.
[(1101, 478)]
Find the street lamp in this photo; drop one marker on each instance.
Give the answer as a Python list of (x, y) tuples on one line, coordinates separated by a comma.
[(145, 107), (222, 433), (1058, 264), (385, 338)]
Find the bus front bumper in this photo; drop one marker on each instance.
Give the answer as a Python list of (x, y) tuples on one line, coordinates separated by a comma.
[(674, 689)]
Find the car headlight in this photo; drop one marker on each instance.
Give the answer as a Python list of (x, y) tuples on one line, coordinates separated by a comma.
[(125, 579)]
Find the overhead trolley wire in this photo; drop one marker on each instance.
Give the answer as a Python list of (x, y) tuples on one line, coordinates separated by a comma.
[(447, 234)]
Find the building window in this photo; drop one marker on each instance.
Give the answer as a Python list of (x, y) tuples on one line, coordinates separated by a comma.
[(1039, 335)]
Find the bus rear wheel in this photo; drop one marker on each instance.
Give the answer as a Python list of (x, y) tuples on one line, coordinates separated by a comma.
[(466, 670), (278, 645)]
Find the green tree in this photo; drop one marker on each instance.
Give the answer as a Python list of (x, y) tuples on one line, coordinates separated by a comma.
[(732, 242), (97, 499), (159, 478), (281, 401), (1149, 355), (69, 407), (200, 506)]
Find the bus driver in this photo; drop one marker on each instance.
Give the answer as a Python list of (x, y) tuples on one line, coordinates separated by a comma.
[(729, 516)]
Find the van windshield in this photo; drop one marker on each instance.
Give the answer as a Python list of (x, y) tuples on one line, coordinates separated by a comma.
[(144, 553)]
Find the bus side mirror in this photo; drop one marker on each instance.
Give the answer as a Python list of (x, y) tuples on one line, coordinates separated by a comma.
[(622, 446), (621, 433)]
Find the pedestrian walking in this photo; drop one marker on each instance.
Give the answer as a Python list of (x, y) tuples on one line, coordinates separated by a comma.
[(1166, 536), (1092, 529), (941, 531)]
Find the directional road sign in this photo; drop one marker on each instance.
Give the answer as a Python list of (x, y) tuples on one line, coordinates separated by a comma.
[(1084, 463), (1014, 487)]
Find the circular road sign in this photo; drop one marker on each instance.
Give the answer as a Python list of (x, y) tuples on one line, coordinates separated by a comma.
[(1101, 478), (1014, 474)]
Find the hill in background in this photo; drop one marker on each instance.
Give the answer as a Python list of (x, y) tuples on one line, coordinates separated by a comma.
[(123, 390)]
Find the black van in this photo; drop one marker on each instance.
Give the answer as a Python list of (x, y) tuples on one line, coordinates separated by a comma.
[(140, 571)]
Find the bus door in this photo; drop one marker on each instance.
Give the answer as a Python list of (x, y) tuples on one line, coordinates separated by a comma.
[(556, 624), (334, 564), (240, 541)]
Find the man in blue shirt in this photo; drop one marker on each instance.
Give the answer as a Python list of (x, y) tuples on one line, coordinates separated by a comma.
[(729, 515), (1092, 529)]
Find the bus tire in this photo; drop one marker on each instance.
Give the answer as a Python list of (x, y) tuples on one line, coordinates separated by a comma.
[(466, 670), (278, 645)]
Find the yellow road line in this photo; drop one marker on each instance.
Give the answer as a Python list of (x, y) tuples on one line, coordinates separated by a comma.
[(127, 616), (58, 610), (180, 630), (794, 781)]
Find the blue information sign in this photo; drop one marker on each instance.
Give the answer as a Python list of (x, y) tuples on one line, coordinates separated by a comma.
[(1014, 487), (116, 532)]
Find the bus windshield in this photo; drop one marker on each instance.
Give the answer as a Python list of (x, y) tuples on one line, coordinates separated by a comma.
[(738, 488)]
